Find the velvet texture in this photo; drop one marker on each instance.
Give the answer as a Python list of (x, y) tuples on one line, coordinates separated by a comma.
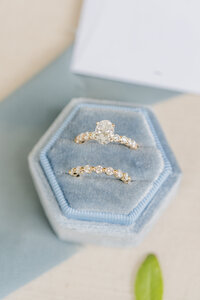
[(98, 199)]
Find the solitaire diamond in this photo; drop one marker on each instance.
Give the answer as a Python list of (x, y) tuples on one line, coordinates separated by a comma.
[(104, 131)]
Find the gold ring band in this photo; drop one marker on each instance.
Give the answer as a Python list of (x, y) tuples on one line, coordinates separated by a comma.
[(104, 134), (77, 171)]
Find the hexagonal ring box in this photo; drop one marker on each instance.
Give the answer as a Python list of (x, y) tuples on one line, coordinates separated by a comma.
[(95, 208)]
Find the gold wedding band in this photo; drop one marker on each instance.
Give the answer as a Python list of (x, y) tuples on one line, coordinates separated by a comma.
[(76, 172)]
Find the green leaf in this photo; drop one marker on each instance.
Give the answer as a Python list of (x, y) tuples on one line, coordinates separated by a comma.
[(149, 283)]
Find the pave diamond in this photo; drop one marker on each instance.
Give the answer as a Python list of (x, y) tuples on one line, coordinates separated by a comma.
[(78, 170), (78, 140), (87, 169), (99, 169), (109, 171), (126, 178), (104, 131), (116, 138), (133, 144), (124, 140), (93, 135), (129, 141), (73, 172), (119, 174), (81, 137), (87, 136)]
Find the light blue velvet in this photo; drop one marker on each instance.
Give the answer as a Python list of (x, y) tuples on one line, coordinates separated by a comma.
[(98, 197)]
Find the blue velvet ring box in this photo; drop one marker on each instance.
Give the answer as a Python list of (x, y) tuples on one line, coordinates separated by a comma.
[(97, 208)]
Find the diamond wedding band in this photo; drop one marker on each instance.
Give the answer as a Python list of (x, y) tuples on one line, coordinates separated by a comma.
[(76, 172), (104, 134)]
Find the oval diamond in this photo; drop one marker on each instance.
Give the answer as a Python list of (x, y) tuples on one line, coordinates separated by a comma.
[(104, 131)]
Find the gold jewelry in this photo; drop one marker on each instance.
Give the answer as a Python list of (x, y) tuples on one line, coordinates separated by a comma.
[(104, 134), (76, 172)]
